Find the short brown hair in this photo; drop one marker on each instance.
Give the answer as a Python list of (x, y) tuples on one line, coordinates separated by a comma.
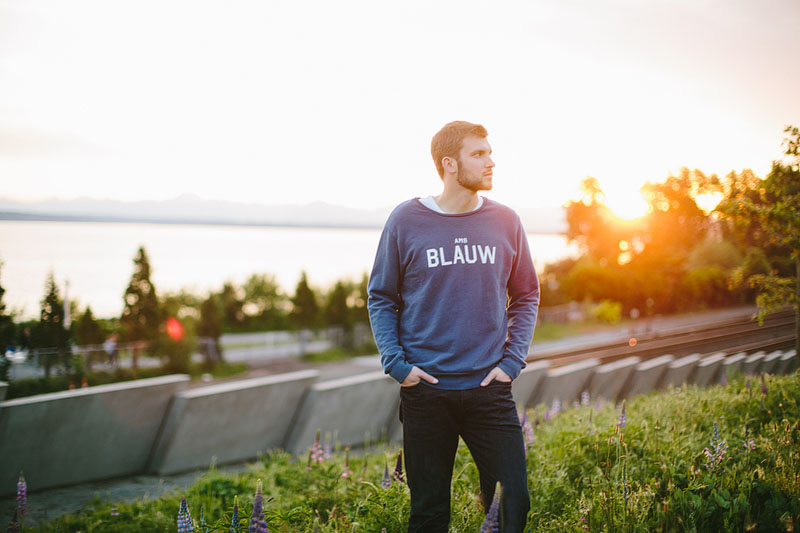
[(447, 141)]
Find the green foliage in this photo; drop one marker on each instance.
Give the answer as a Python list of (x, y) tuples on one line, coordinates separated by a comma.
[(87, 330), (706, 287), (305, 307), (7, 334), (586, 470), (140, 319), (608, 311), (713, 253), (49, 336)]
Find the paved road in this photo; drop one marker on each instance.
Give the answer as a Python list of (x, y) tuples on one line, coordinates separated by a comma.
[(47, 504)]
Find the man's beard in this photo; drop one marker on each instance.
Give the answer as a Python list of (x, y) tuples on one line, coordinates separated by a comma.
[(473, 184)]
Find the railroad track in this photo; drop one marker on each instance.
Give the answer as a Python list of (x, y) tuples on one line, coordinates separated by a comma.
[(777, 333)]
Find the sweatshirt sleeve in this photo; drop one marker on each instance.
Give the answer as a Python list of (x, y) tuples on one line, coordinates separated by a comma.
[(522, 307), (384, 304)]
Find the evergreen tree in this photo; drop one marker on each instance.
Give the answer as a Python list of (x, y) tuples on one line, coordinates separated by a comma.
[(49, 336), (232, 304), (305, 311), (87, 329), (140, 317), (7, 334), (210, 328)]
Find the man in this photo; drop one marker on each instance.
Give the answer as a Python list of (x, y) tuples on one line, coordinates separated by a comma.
[(453, 298)]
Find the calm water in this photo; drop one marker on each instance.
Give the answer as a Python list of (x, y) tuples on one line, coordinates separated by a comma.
[(97, 258)]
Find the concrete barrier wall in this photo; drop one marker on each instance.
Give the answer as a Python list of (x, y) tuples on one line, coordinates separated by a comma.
[(565, 383), (788, 363), (680, 371), (732, 365), (610, 378), (523, 388), (647, 375), (751, 364), (231, 422), (770, 362), (3, 390), (708, 369), (70, 437), (351, 408)]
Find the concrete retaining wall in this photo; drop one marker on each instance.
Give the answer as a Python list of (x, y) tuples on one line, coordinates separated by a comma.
[(351, 408), (523, 388), (647, 375), (788, 363), (565, 383), (231, 422), (70, 437), (770, 362), (732, 365), (610, 378), (708, 369), (680, 371), (752, 363), (3, 390)]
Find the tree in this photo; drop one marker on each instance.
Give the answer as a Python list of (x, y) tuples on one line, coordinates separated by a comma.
[(232, 305), (49, 336), (774, 205), (264, 302), (7, 334), (140, 317), (88, 330), (305, 309)]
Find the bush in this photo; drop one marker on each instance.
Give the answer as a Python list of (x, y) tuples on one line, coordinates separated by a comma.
[(608, 311)]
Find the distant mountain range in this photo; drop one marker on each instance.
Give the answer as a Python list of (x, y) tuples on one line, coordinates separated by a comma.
[(190, 209)]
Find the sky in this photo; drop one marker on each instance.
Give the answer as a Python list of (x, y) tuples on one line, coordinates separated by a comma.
[(292, 102)]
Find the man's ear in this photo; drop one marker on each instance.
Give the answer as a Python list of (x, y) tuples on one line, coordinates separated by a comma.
[(450, 164)]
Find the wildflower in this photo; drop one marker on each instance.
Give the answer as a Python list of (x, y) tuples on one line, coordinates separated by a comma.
[(346, 471), (258, 523), (317, 453), (185, 523), (398, 469), (235, 518), (622, 420), (585, 399), (114, 511), (13, 527), (716, 454), (723, 380), (763, 386), (748, 444), (22, 497), (527, 429), (386, 482), (555, 408), (491, 524)]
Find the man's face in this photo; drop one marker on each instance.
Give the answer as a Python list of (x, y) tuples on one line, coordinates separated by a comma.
[(475, 164)]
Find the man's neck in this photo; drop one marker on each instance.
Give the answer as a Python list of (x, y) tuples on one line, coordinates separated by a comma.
[(453, 202)]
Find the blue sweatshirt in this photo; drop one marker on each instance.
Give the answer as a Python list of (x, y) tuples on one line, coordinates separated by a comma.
[(453, 294)]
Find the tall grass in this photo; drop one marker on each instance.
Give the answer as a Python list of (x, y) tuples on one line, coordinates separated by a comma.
[(723, 458)]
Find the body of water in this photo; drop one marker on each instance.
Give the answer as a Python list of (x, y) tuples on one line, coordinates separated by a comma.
[(97, 258)]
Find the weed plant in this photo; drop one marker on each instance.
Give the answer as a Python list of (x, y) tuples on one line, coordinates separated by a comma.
[(723, 458)]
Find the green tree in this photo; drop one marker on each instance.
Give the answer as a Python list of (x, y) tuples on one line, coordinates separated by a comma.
[(209, 328), (305, 309), (7, 334), (49, 336), (140, 319), (87, 330), (264, 302), (232, 307), (774, 205)]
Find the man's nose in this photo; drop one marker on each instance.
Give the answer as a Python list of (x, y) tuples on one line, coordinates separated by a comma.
[(489, 162)]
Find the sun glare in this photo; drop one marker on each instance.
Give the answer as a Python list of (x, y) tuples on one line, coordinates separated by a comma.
[(627, 206), (708, 201)]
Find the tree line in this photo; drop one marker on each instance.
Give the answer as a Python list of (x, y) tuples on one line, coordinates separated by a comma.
[(173, 325), (679, 257)]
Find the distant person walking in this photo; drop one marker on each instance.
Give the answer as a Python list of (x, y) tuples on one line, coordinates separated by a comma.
[(453, 298), (110, 346)]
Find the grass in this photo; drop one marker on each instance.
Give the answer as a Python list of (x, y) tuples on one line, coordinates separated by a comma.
[(588, 470)]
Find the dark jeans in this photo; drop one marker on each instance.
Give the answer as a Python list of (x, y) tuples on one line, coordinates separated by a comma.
[(486, 418)]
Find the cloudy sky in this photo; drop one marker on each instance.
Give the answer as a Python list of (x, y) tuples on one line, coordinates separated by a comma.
[(297, 101)]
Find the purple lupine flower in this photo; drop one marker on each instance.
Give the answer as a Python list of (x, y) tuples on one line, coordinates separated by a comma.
[(13, 526), (585, 399), (716, 454), (185, 523), (527, 429), (491, 524), (748, 444), (723, 380), (235, 518), (555, 408), (386, 482), (346, 471), (398, 469), (258, 524), (22, 498), (317, 453), (622, 420)]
